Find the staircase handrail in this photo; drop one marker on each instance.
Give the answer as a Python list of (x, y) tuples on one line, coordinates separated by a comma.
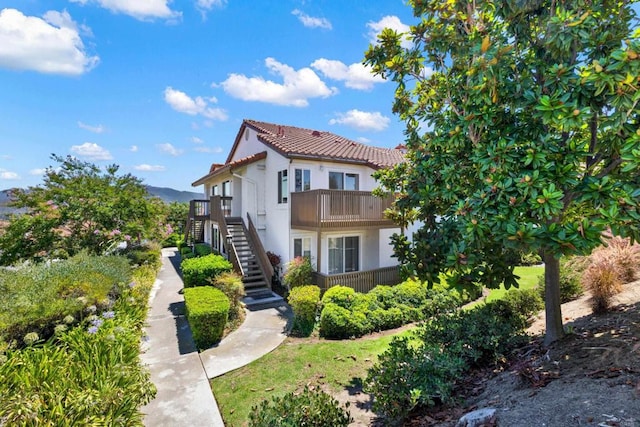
[(218, 216), (259, 252)]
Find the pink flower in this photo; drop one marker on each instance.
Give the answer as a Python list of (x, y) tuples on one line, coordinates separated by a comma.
[(127, 237)]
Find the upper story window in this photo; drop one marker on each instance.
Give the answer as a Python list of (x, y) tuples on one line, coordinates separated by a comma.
[(283, 186), (303, 179), (215, 191), (343, 181), (226, 188)]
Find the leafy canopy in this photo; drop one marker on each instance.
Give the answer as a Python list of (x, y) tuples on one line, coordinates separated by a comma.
[(79, 207), (521, 128)]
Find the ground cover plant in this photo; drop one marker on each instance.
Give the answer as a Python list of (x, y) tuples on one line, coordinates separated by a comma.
[(88, 372)]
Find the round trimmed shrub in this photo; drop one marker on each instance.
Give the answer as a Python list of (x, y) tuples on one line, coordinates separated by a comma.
[(207, 310), (338, 323), (339, 295), (304, 301)]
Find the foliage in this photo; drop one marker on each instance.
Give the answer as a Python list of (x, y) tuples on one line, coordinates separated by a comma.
[(570, 282), (420, 370), (521, 124), (177, 213), (37, 297), (624, 255), (299, 272), (207, 310), (199, 271), (526, 302), (602, 278), (274, 259), (172, 240), (186, 250), (339, 295), (304, 301), (309, 408), (88, 375), (202, 249), (410, 374), (145, 254), (230, 283), (80, 207), (339, 323)]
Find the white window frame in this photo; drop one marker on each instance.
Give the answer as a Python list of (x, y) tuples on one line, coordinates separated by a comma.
[(305, 241), (358, 258), (305, 184), (283, 186)]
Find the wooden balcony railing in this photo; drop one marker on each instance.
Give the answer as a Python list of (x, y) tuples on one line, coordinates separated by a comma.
[(218, 215), (336, 209), (361, 281), (258, 250), (199, 209)]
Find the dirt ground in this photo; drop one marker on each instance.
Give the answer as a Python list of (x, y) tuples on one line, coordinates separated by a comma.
[(591, 378)]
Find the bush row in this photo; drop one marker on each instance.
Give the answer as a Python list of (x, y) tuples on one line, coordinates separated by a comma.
[(88, 372), (421, 369), (207, 310), (346, 313), (199, 271)]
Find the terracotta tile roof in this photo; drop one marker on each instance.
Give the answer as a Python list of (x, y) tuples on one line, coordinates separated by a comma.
[(295, 142), (218, 168)]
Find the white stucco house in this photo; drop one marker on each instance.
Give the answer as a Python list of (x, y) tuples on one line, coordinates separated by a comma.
[(298, 192)]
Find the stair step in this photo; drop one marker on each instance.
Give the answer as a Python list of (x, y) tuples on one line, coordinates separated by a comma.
[(263, 300), (254, 285)]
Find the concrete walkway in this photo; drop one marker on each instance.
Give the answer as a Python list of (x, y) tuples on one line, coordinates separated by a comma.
[(180, 373)]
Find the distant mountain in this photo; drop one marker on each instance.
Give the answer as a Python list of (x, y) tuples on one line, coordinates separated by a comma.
[(170, 195)]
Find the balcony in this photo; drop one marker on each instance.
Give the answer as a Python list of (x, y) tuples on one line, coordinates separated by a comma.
[(360, 281), (326, 210)]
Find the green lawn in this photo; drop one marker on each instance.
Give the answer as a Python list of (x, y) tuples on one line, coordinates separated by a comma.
[(292, 366), (528, 280), (297, 363)]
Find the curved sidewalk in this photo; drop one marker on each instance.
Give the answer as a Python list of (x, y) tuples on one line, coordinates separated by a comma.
[(180, 373)]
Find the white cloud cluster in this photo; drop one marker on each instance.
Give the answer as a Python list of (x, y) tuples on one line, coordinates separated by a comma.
[(50, 44), (139, 9), (183, 103), (196, 140), (297, 87), (312, 22), (169, 149), (149, 168), (134, 148), (389, 21), (355, 76), (91, 151), (361, 120), (8, 175), (90, 128), (38, 172)]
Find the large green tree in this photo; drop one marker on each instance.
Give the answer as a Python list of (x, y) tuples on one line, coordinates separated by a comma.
[(522, 134), (80, 206)]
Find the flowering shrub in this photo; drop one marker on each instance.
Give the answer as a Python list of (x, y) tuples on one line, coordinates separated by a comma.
[(299, 272)]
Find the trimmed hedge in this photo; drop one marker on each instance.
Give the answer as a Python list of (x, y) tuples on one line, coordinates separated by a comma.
[(347, 313), (202, 249), (207, 310), (201, 270), (304, 301)]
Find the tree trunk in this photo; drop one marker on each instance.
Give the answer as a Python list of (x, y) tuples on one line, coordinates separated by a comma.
[(553, 310)]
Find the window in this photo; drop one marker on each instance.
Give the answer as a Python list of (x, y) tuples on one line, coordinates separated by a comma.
[(215, 239), (215, 191), (302, 247), (283, 186), (226, 198), (226, 188), (344, 254), (343, 181), (303, 179)]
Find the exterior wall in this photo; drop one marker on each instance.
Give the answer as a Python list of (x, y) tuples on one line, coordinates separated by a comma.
[(276, 215), (248, 145), (386, 258), (320, 173)]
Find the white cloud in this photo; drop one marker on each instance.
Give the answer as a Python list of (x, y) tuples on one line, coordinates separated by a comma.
[(91, 151), (149, 168), (361, 120), (215, 150), (94, 129), (295, 90), (310, 21), (38, 172), (364, 140), (169, 149), (139, 9), (196, 140), (205, 6), (134, 149), (8, 175), (50, 44), (183, 103), (392, 22), (5, 157), (355, 76)]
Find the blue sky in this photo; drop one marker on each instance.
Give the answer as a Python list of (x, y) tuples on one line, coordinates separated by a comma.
[(160, 87)]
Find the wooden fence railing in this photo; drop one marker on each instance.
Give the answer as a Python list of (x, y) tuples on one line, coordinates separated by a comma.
[(258, 250), (361, 281), (217, 214)]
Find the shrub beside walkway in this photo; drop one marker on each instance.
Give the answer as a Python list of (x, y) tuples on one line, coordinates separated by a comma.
[(180, 373)]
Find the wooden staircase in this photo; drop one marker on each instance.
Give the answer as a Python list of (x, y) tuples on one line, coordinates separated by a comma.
[(257, 286)]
